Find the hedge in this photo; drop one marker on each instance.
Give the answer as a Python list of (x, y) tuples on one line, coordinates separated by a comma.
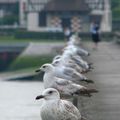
[(55, 35), (116, 25), (8, 31), (106, 36), (39, 35)]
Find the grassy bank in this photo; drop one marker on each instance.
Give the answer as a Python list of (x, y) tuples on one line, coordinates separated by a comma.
[(12, 39), (29, 62)]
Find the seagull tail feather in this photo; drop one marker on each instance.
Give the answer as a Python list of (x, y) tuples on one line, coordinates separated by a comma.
[(86, 91)]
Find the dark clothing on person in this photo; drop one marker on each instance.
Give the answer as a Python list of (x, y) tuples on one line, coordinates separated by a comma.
[(95, 33), (95, 38)]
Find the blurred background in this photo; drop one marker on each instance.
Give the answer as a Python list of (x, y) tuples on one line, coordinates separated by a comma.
[(23, 21), (32, 33)]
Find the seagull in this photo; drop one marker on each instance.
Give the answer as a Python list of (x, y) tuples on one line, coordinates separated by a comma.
[(74, 40), (55, 108), (68, 57), (69, 73), (81, 62), (65, 87), (67, 63), (77, 50)]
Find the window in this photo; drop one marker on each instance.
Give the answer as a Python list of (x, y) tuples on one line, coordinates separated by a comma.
[(42, 19)]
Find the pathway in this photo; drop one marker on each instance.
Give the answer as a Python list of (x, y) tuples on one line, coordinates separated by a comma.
[(106, 104)]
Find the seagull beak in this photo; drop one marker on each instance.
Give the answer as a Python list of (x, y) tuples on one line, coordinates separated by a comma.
[(38, 70), (39, 97)]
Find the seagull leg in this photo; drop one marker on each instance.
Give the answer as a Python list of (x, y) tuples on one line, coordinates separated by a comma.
[(75, 101), (83, 118)]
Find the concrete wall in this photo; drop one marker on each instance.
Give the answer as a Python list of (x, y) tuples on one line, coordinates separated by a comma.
[(32, 19), (106, 24), (33, 23)]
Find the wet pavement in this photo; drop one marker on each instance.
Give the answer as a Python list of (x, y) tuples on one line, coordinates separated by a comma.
[(17, 99), (106, 104)]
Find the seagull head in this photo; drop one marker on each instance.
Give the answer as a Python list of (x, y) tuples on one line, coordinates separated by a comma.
[(57, 57), (46, 67), (49, 94), (56, 62)]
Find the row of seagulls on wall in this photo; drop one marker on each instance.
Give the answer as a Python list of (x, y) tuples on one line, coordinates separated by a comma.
[(62, 80)]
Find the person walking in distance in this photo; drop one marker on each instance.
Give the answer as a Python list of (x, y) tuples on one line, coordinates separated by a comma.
[(94, 29)]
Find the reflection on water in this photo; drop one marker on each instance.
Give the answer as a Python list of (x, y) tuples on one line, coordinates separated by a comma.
[(17, 100)]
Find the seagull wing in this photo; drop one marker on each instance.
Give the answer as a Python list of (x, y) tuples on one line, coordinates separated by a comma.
[(75, 76), (70, 88), (72, 111), (62, 82), (67, 86), (68, 71)]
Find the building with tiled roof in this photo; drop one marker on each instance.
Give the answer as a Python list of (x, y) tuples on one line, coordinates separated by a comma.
[(44, 15), (57, 14), (67, 5)]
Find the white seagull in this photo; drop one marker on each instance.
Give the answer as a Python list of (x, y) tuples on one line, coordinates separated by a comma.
[(69, 56), (55, 108), (67, 63), (69, 73), (65, 87), (77, 50), (74, 40)]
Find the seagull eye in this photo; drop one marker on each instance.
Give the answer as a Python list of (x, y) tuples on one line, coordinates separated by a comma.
[(57, 62), (44, 66), (50, 92)]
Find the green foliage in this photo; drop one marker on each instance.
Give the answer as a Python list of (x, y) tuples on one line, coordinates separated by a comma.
[(115, 3), (116, 13), (30, 62), (15, 9), (12, 15), (115, 9), (9, 20)]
